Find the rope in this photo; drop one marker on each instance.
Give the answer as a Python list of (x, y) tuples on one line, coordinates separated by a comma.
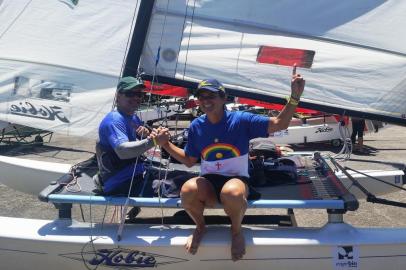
[(158, 54), (181, 38), (74, 186), (375, 178), (92, 240), (346, 150), (239, 53), (166, 115), (125, 52), (124, 210), (159, 188), (190, 34), (16, 18)]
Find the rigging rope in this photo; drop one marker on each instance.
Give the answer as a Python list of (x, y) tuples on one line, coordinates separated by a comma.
[(346, 150), (181, 38), (15, 20), (166, 113), (190, 34), (124, 210), (239, 53), (126, 50)]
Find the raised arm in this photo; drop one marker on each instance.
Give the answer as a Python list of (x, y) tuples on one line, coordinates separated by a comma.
[(283, 119)]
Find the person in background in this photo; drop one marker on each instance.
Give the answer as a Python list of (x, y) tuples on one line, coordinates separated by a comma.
[(221, 139), (358, 126), (377, 125), (122, 140)]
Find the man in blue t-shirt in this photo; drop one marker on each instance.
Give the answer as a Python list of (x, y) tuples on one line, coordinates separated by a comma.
[(221, 140), (122, 139)]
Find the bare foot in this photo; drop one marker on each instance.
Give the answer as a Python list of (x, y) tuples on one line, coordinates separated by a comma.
[(237, 246), (193, 241)]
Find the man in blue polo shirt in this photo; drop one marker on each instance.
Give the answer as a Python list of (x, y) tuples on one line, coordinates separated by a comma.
[(221, 139), (122, 139)]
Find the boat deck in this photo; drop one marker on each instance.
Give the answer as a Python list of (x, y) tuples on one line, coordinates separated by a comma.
[(314, 187)]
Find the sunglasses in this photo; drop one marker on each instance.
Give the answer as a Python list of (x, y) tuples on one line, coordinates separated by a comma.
[(206, 97), (131, 94)]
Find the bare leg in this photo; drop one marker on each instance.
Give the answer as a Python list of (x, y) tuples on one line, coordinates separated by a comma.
[(360, 142), (234, 198), (196, 194)]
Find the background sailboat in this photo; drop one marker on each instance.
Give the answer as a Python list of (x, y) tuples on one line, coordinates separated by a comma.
[(60, 63), (350, 53), (60, 71), (66, 244)]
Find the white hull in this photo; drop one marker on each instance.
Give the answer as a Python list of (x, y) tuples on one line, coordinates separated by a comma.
[(318, 129), (157, 112), (31, 176), (375, 187), (308, 133), (4, 125), (53, 245)]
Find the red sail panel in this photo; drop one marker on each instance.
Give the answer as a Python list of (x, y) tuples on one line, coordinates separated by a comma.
[(166, 90), (272, 106), (285, 56)]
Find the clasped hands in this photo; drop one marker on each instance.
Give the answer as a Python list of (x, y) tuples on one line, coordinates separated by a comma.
[(160, 135)]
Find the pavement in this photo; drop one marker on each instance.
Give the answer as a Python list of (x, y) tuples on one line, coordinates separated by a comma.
[(385, 150)]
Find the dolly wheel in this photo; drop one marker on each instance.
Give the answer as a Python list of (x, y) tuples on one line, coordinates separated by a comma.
[(38, 139)]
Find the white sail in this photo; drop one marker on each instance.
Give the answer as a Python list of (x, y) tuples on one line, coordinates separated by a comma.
[(60, 62), (359, 51)]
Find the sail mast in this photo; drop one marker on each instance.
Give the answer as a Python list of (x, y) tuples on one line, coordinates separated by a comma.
[(138, 38)]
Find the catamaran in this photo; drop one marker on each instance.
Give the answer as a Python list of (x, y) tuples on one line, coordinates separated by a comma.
[(158, 242), (350, 54)]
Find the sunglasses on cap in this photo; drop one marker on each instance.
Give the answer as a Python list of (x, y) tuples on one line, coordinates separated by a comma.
[(131, 94)]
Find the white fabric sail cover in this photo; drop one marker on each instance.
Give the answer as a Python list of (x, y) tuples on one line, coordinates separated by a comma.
[(60, 62), (360, 50)]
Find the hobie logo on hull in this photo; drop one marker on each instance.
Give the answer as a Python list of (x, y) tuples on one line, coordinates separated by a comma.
[(28, 109), (324, 129), (120, 258)]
